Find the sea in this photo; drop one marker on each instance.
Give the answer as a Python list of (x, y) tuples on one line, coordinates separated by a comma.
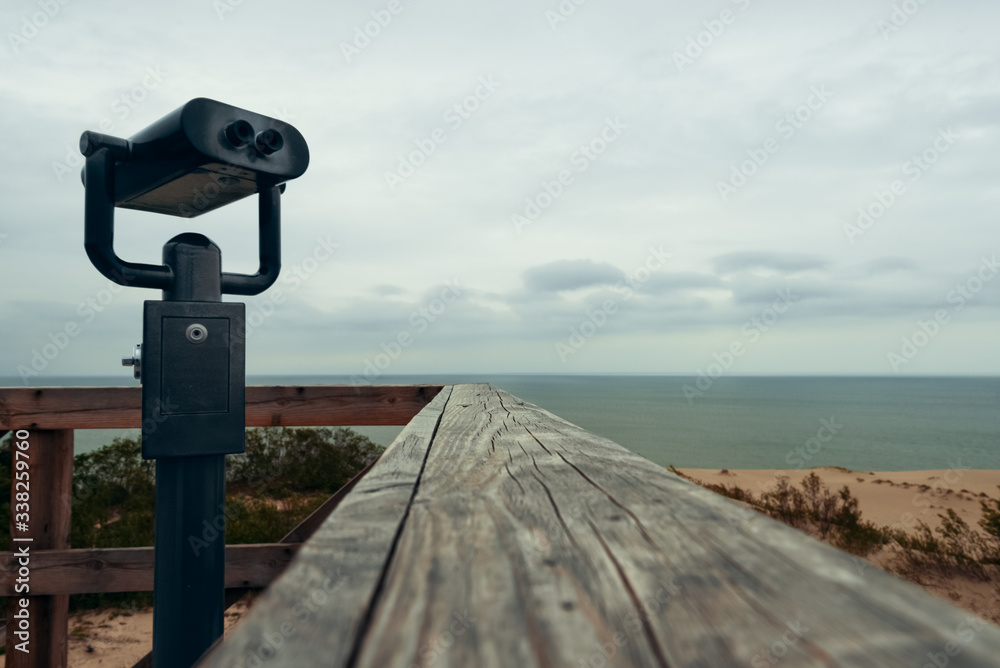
[(735, 422)]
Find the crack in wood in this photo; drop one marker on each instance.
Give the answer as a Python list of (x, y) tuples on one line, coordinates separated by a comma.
[(366, 620), (514, 477), (638, 522), (647, 628)]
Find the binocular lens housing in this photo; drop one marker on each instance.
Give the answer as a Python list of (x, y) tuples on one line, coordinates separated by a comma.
[(202, 156), (239, 133), (269, 141)]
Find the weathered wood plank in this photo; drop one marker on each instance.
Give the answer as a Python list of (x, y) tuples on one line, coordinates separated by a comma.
[(50, 481), (488, 573), (315, 612), (534, 543), (304, 406), (131, 569), (309, 525), (530, 542)]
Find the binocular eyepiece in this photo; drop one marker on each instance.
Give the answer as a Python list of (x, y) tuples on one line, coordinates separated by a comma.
[(240, 133)]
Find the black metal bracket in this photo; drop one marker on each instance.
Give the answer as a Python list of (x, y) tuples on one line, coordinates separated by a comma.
[(104, 154)]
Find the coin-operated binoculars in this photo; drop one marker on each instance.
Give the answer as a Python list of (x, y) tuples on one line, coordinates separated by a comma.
[(191, 361)]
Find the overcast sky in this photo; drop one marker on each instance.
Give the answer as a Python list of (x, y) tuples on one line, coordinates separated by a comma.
[(534, 186)]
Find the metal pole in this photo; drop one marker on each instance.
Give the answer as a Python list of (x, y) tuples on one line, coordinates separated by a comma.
[(190, 542)]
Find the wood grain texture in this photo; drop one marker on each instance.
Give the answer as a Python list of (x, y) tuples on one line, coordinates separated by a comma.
[(598, 554), (131, 569), (531, 542), (300, 406), (319, 610)]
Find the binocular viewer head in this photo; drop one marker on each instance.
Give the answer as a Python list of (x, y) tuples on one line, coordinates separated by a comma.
[(200, 157)]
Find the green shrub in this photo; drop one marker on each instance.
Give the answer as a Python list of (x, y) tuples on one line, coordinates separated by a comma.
[(279, 461), (284, 476), (257, 520), (113, 497), (990, 523)]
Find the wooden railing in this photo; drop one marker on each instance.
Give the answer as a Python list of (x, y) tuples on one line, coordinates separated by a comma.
[(492, 533), (49, 416)]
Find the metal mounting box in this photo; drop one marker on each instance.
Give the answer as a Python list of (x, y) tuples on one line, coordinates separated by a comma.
[(193, 379)]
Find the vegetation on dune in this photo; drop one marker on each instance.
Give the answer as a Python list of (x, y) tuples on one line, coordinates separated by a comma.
[(954, 548), (833, 517), (285, 474)]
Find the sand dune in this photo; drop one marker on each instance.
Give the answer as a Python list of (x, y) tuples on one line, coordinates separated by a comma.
[(898, 498)]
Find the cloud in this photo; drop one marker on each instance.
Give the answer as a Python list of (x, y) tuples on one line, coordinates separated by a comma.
[(731, 263), (660, 283), (570, 275), (385, 290), (889, 265)]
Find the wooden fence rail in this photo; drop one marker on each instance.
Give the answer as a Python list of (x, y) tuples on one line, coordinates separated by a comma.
[(492, 533), (131, 569), (266, 406), (50, 414)]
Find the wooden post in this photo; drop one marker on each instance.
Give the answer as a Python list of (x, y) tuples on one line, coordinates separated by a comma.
[(50, 460)]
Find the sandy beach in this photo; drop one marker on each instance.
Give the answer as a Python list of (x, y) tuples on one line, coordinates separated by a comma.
[(901, 499)]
